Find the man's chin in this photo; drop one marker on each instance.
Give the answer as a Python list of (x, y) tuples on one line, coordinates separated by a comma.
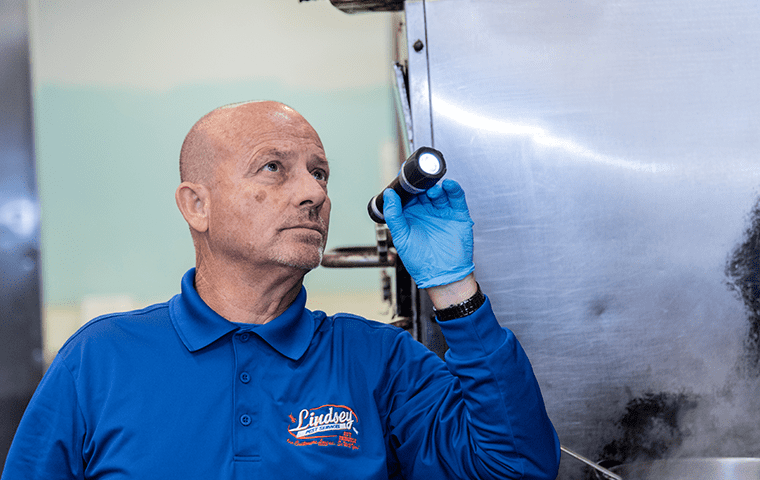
[(303, 260)]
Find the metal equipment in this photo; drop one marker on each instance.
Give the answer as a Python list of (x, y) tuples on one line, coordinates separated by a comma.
[(20, 333), (617, 226)]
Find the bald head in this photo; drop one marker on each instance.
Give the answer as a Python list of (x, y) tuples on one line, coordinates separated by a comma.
[(254, 167), (227, 130)]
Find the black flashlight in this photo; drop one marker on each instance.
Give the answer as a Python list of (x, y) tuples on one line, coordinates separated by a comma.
[(419, 172)]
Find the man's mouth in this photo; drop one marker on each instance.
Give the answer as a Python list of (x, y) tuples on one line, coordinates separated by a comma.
[(319, 228)]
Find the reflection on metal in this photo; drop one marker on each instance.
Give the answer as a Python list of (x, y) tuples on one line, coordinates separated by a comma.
[(610, 152), (540, 138), (357, 6), (20, 335)]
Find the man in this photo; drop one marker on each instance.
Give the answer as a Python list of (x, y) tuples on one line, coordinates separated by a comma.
[(234, 378)]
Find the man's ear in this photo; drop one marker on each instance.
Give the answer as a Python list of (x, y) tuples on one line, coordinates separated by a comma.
[(194, 201)]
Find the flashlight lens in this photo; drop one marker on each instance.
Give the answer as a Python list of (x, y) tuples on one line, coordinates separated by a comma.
[(429, 163)]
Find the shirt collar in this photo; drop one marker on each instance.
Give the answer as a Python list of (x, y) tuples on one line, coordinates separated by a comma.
[(199, 326)]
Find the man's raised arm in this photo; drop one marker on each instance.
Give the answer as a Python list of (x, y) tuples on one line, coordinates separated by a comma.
[(497, 426)]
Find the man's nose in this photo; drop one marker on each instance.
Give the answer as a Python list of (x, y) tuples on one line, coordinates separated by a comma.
[(309, 190)]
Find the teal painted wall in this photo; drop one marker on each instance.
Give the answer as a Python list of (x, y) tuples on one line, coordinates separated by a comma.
[(107, 165)]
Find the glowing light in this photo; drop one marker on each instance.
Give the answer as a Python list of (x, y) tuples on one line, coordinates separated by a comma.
[(429, 163), (540, 137)]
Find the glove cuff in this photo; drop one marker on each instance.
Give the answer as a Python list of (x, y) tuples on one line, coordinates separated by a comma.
[(440, 278)]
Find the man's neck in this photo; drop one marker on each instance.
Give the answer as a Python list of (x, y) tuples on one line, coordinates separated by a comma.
[(246, 297)]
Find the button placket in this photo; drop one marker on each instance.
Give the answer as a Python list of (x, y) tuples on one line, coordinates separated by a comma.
[(246, 442)]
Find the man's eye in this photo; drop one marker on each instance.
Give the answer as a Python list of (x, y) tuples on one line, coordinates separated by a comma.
[(271, 167), (320, 175)]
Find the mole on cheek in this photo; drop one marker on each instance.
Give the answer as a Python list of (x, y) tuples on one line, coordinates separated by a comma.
[(260, 196)]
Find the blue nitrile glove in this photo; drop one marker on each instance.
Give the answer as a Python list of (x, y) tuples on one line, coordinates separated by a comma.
[(433, 234)]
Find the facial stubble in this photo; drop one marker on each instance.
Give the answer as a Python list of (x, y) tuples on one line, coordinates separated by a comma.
[(298, 259)]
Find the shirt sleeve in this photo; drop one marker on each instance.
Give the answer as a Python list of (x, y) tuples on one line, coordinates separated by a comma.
[(479, 415), (48, 442)]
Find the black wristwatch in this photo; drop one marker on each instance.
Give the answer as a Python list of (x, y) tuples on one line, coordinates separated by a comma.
[(463, 309)]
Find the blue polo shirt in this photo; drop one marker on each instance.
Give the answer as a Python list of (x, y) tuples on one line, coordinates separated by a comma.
[(175, 391)]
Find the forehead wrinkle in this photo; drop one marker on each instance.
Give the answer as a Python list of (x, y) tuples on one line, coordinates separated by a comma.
[(275, 152), (284, 152)]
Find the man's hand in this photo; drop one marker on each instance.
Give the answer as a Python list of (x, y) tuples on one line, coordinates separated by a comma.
[(432, 234)]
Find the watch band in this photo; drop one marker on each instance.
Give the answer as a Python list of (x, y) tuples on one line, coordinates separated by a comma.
[(463, 309)]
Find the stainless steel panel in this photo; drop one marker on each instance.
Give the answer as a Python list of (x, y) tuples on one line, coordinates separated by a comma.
[(611, 155)]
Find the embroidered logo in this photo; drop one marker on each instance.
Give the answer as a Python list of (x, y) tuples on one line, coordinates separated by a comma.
[(328, 425)]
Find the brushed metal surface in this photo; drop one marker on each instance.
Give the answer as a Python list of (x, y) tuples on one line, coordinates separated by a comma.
[(611, 156)]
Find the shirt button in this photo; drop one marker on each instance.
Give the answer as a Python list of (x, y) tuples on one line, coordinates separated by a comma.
[(245, 336), (245, 377), (245, 419)]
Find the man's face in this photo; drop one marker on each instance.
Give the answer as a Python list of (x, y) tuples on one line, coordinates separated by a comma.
[(269, 203)]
